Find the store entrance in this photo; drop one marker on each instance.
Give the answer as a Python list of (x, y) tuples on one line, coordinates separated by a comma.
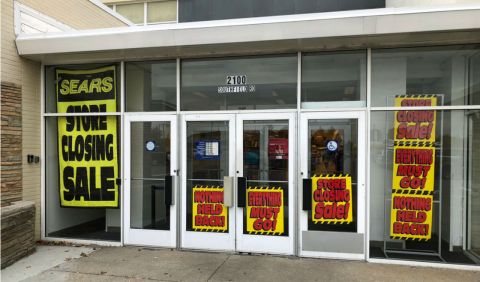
[(332, 201), (237, 186), (150, 177)]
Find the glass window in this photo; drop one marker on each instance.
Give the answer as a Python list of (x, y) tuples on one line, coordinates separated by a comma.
[(265, 166), (334, 79), (162, 11), (72, 165), (424, 188), (453, 72), (85, 84), (333, 150), (82, 152), (133, 12), (268, 82), (150, 163), (207, 164), (151, 86)]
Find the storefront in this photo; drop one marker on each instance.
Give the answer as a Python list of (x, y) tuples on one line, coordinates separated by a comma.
[(347, 152)]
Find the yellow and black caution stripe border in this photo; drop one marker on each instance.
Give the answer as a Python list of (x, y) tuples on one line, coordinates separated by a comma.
[(414, 144), (265, 188), (265, 233), (411, 192), (328, 221), (409, 238), (207, 187), (416, 96), (209, 230), (331, 175)]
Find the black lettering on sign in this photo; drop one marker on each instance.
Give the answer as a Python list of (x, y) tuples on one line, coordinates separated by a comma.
[(108, 183), (81, 184), (69, 193)]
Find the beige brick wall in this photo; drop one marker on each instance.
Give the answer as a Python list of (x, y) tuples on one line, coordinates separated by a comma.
[(78, 14), (31, 136)]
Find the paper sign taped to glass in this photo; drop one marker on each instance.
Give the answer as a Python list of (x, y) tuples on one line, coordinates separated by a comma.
[(332, 199), (208, 211), (412, 125), (411, 217), (207, 150), (413, 177), (265, 211), (87, 145), (413, 169)]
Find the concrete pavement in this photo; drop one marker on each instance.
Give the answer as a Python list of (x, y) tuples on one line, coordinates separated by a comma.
[(144, 264)]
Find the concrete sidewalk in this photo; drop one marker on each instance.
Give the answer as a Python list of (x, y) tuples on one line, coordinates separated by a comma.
[(142, 264)]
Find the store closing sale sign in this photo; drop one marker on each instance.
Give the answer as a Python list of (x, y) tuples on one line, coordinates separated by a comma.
[(332, 199), (208, 212), (265, 211), (413, 168), (87, 145)]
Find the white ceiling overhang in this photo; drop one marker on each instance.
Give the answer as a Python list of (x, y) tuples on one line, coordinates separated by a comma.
[(336, 30)]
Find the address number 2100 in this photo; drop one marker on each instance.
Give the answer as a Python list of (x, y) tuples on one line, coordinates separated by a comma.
[(236, 79)]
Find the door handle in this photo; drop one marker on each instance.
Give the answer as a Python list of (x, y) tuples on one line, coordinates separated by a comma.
[(306, 194), (241, 191), (228, 191), (170, 181)]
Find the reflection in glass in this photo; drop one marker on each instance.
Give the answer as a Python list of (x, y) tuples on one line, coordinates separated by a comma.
[(473, 195), (455, 213), (333, 150), (150, 86), (334, 79), (76, 223), (150, 163), (452, 71), (265, 159), (244, 83), (207, 161)]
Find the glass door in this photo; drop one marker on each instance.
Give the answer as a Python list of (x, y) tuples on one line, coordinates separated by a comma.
[(208, 169), (332, 196), (150, 177), (265, 188)]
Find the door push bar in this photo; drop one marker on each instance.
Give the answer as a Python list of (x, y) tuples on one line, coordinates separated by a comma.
[(170, 182), (307, 195), (228, 184), (241, 191)]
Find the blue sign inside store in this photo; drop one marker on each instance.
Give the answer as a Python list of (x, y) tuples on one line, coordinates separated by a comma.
[(207, 150)]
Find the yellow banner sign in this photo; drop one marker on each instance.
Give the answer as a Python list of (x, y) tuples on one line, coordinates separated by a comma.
[(87, 145), (413, 169), (415, 125), (265, 211), (411, 217), (209, 214), (332, 199)]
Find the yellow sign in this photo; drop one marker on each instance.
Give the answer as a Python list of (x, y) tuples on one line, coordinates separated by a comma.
[(87, 145), (332, 199), (209, 214), (411, 217), (413, 169), (265, 211), (415, 125)]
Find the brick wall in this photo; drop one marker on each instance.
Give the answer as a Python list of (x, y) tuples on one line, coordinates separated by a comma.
[(11, 131), (17, 232), (78, 14)]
